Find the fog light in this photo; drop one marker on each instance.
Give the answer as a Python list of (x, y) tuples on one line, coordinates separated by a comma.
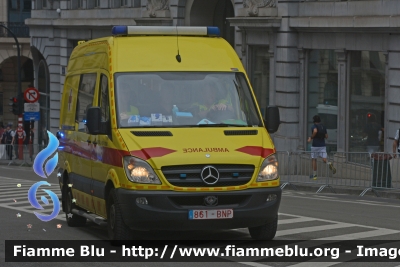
[(271, 197), (141, 200)]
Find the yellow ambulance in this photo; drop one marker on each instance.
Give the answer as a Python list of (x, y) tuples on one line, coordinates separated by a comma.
[(160, 130)]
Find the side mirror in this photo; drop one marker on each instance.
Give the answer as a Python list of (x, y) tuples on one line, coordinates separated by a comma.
[(93, 120), (58, 134), (272, 119)]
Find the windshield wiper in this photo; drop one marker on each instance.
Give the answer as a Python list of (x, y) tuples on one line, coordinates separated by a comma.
[(189, 126)]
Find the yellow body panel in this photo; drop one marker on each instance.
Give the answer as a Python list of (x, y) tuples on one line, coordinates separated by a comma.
[(197, 54)]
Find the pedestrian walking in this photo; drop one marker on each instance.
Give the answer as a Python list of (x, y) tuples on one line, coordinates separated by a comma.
[(396, 144), (8, 136), (1, 132), (372, 131), (2, 146), (18, 141), (30, 143), (395, 162), (318, 147)]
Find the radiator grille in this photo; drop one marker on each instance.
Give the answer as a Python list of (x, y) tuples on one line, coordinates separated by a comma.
[(241, 132), (190, 175)]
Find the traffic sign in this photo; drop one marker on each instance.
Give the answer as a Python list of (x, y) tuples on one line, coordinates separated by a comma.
[(31, 95), (31, 107), (31, 116)]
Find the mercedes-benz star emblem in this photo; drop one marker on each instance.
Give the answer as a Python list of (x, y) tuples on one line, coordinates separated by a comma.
[(209, 175), (210, 200)]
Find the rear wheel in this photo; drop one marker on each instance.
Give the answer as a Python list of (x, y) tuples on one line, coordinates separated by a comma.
[(117, 229), (72, 219), (264, 232)]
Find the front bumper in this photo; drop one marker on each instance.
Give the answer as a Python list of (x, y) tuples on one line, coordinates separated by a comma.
[(168, 210)]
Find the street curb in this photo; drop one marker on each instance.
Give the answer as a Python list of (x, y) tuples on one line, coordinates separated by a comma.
[(16, 163)]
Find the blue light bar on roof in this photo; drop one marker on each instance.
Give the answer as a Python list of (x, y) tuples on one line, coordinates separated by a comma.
[(119, 30), (165, 30), (213, 31)]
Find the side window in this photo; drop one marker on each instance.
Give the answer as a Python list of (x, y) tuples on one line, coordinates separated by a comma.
[(87, 86), (70, 102), (103, 98)]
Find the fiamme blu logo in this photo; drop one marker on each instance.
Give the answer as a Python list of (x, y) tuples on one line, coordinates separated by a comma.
[(44, 164)]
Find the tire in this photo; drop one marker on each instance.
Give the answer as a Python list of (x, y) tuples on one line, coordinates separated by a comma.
[(72, 219), (117, 229), (264, 232)]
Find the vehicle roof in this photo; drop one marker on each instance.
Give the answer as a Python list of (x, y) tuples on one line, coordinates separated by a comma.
[(156, 53)]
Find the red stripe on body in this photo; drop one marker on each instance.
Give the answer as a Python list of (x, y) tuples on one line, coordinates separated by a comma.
[(113, 156), (257, 151), (152, 152), (108, 156)]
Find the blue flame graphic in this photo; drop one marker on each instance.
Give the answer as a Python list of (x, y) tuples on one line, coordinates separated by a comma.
[(44, 170), (43, 155), (32, 199)]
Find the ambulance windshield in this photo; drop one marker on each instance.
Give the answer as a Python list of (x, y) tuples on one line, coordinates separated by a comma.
[(184, 99)]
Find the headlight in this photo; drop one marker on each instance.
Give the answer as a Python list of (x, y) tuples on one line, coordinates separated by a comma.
[(268, 170), (139, 171)]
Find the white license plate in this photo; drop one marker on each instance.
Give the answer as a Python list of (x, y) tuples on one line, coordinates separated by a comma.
[(210, 214)]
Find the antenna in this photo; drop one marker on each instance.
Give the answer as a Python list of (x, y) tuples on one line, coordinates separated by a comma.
[(178, 57)]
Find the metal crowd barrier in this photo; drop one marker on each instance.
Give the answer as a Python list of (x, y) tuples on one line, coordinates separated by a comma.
[(299, 169), (369, 172), (19, 154)]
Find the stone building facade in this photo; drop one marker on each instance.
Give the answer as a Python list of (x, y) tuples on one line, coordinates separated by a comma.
[(12, 16), (338, 59)]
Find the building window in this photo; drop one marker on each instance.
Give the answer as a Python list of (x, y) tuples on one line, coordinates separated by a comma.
[(322, 93), (14, 4), (1, 107), (259, 75), (367, 101), (27, 5), (116, 3), (124, 2), (77, 4), (91, 4), (44, 101)]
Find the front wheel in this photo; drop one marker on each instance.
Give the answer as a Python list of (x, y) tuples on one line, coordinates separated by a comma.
[(72, 219), (117, 229), (264, 232)]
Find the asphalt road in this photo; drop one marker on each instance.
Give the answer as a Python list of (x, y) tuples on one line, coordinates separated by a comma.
[(303, 217)]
